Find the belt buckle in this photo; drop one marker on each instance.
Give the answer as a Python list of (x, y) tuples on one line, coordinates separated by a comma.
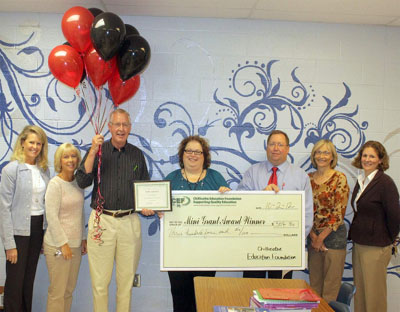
[(117, 214)]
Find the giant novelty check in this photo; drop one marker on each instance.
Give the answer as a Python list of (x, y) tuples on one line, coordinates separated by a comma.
[(235, 231)]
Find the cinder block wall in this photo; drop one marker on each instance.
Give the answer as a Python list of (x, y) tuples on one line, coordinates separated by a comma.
[(214, 77)]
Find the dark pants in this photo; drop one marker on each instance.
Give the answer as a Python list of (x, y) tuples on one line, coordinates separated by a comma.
[(271, 274), (20, 276), (182, 289)]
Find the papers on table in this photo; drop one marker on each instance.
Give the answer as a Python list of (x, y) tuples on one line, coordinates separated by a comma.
[(238, 309), (285, 299)]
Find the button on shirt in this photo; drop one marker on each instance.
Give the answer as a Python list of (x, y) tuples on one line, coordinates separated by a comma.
[(119, 169)]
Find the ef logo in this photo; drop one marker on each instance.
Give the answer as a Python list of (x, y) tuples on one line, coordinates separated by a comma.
[(181, 201)]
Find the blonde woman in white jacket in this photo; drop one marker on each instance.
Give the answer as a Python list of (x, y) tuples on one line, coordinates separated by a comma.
[(23, 185)]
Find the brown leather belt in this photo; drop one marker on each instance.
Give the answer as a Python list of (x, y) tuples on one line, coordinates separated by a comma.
[(118, 214)]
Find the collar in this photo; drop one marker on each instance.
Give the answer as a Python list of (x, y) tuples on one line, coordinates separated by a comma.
[(282, 167), (114, 149), (362, 180)]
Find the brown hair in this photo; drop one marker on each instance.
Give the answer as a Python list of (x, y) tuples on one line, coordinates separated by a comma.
[(204, 145), (330, 147), (379, 149), (278, 132)]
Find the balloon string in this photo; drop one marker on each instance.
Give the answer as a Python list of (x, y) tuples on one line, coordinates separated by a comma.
[(98, 106), (102, 111), (86, 106), (97, 228), (97, 117), (91, 111)]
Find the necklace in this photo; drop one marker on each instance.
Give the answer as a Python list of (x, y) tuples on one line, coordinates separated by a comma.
[(321, 178), (189, 184)]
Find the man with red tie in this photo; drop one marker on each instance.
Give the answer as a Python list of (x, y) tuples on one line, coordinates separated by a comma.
[(276, 174)]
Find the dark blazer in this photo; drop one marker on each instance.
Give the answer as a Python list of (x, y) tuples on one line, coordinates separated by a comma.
[(377, 220)]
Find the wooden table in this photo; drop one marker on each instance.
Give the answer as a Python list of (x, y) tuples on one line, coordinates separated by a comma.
[(231, 291)]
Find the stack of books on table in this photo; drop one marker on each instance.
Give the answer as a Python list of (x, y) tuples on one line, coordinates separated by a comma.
[(285, 299), (238, 309)]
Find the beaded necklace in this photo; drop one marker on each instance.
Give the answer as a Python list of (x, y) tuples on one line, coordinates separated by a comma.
[(189, 184)]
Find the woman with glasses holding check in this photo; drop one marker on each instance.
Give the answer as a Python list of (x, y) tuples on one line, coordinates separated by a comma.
[(328, 238), (194, 175)]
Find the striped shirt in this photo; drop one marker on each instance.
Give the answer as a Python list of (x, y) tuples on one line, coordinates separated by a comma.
[(118, 171)]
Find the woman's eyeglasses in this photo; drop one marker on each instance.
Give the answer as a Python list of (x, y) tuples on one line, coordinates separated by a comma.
[(325, 153), (191, 152)]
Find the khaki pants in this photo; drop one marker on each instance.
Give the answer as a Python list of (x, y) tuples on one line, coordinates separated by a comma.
[(369, 269), (63, 275), (326, 271), (122, 241)]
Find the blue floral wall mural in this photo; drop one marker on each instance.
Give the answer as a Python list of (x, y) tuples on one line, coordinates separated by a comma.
[(257, 103)]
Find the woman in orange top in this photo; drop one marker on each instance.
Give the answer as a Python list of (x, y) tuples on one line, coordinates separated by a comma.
[(328, 238)]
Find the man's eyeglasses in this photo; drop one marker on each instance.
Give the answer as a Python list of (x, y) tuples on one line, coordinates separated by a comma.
[(118, 124), (280, 145), (325, 153), (190, 152)]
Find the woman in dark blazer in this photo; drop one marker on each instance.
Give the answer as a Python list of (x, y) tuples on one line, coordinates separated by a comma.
[(375, 225)]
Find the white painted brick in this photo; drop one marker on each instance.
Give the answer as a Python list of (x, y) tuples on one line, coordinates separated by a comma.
[(367, 96), (391, 97), (392, 70), (365, 43), (373, 72), (338, 71)]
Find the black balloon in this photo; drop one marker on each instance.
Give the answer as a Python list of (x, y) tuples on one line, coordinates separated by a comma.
[(133, 57), (107, 34), (130, 30), (95, 11), (84, 71)]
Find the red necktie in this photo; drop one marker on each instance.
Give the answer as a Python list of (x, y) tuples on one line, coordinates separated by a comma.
[(273, 178)]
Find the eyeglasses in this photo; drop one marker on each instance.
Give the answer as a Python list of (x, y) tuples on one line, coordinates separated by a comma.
[(280, 145), (191, 152), (325, 153), (118, 124)]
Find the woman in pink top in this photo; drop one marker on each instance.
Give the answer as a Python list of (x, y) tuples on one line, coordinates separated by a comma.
[(64, 241)]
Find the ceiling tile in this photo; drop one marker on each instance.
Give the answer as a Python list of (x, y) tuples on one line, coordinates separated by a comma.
[(233, 4), (369, 7), (325, 18), (179, 11), (377, 12)]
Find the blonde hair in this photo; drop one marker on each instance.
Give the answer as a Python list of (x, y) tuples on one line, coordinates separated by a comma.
[(330, 147), (64, 148), (18, 153)]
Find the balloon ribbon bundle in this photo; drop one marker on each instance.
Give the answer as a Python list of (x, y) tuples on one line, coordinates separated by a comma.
[(97, 228), (107, 50)]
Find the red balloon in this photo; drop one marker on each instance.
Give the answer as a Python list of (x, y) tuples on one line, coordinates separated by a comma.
[(122, 91), (76, 24), (98, 69), (66, 65)]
